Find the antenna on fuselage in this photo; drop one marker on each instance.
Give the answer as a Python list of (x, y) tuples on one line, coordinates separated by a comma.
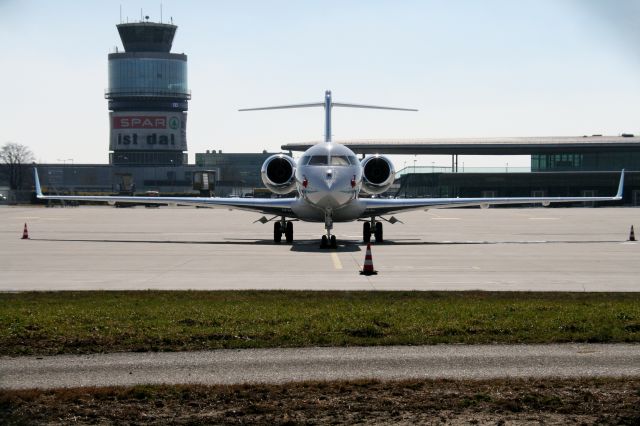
[(328, 104)]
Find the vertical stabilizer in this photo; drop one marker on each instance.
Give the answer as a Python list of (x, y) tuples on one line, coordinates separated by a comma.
[(327, 115)]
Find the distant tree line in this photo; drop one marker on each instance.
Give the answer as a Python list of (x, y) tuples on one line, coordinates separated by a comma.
[(14, 157)]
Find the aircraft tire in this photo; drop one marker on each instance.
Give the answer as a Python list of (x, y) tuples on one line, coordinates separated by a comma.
[(288, 233), (378, 232), (324, 242), (334, 242), (277, 232), (366, 232)]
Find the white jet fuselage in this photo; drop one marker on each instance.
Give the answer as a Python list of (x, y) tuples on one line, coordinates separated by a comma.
[(328, 180)]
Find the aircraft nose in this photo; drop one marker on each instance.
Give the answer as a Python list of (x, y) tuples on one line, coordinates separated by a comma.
[(324, 188), (329, 179), (329, 190)]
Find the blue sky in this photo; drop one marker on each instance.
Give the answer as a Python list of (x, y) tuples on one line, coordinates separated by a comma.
[(473, 68)]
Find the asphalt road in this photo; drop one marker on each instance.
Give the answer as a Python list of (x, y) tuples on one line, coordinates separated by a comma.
[(515, 249), (287, 365)]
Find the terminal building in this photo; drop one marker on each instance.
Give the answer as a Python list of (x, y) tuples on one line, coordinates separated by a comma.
[(560, 166), (237, 174)]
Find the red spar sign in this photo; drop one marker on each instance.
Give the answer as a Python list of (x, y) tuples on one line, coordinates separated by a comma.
[(139, 122)]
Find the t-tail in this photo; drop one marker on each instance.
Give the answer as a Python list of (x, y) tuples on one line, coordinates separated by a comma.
[(328, 104)]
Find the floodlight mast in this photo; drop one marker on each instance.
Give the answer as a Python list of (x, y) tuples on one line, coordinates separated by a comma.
[(328, 104)]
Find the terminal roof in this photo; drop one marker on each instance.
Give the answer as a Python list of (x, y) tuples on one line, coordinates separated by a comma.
[(486, 146)]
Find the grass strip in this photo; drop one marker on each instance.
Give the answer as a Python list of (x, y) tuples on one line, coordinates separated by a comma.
[(539, 401), (95, 322)]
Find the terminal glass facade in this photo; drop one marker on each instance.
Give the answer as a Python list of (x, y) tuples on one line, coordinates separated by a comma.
[(148, 158), (148, 76), (597, 161), (235, 168)]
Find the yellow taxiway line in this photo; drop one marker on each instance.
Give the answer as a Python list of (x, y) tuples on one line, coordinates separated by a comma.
[(336, 261)]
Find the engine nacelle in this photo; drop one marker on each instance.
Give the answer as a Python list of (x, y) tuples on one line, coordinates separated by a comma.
[(278, 174), (378, 174)]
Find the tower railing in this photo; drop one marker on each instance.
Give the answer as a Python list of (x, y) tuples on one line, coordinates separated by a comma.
[(147, 93)]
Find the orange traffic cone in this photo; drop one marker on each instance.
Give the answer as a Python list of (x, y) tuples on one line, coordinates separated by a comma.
[(368, 263), (632, 235), (25, 233)]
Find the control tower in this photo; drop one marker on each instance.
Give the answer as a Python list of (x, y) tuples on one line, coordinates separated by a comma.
[(148, 98)]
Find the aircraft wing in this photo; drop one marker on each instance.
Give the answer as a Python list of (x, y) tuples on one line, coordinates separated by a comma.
[(380, 206), (275, 206)]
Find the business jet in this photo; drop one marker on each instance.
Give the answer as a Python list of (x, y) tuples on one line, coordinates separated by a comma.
[(328, 180)]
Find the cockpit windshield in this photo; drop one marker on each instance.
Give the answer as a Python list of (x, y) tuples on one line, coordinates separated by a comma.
[(323, 160), (339, 160), (319, 160)]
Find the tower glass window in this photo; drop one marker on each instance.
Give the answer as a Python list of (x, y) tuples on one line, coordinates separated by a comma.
[(148, 76)]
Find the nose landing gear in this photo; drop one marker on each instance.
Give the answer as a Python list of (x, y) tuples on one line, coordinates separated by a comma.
[(328, 241)]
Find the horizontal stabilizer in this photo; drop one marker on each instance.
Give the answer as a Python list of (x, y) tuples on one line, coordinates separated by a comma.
[(283, 107), (333, 104), (328, 104), (340, 104)]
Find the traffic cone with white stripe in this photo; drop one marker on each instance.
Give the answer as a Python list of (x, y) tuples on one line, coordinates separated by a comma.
[(632, 235), (25, 232), (368, 263)]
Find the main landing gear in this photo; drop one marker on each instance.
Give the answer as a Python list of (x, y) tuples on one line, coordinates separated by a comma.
[(372, 227), (285, 227)]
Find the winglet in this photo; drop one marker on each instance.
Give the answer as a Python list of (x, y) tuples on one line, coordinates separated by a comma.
[(620, 186), (37, 180)]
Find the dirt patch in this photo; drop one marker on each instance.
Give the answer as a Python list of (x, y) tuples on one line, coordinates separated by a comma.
[(548, 401)]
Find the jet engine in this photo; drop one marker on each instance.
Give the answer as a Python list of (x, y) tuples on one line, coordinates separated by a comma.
[(278, 174), (378, 174)]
